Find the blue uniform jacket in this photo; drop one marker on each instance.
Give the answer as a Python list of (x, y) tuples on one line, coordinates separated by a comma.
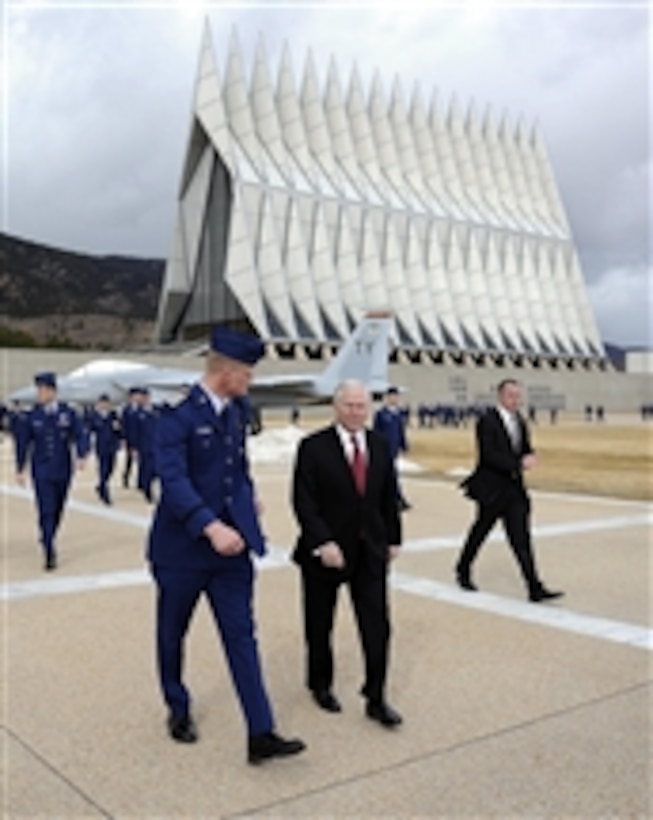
[(106, 431), (129, 424), (145, 422), (49, 437), (201, 461), (390, 424)]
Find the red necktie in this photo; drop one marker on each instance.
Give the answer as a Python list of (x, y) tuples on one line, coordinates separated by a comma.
[(358, 467)]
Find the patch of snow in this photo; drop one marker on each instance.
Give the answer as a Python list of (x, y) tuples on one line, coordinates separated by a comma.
[(406, 466), (458, 472), (276, 445)]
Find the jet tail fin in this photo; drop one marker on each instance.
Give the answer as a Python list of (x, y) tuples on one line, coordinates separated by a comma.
[(364, 356)]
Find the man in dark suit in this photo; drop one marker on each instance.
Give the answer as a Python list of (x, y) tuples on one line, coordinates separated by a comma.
[(205, 528), (345, 503), (497, 485)]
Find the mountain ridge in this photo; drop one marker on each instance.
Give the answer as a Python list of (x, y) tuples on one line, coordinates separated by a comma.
[(55, 296)]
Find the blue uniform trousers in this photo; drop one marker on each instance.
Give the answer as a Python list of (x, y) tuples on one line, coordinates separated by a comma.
[(145, 473), (106, 463), (229, 591), (50, 499)]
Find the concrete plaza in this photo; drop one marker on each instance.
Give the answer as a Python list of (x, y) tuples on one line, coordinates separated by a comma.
[(510, 708)]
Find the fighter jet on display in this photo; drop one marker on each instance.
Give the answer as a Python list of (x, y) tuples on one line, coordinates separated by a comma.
[(364, 356)]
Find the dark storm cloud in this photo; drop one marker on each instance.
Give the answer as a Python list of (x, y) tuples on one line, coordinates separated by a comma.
[(100, 101), (98, 115)]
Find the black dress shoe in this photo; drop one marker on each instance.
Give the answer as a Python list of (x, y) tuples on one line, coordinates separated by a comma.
[(327, 701), (182, 729), (404, 505), (264, 747), (386, 715), (465, 582), (50, 563), (544, 594)]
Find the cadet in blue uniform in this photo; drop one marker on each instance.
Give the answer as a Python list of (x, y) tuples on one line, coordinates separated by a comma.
[(389, 422), (146, 420), (129, 423), (47, 435), (204, 529), (104, 427)]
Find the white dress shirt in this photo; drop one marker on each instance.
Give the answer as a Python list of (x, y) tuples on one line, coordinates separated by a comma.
[(511, 423), (217, 403), (347, 444)]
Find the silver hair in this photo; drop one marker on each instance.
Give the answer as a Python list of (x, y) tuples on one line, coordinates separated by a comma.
[(350, 384)]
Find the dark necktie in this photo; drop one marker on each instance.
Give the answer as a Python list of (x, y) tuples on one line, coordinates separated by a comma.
[(358, 467)]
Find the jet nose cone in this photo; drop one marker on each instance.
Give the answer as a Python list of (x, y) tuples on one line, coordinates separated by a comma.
[(26, 394)]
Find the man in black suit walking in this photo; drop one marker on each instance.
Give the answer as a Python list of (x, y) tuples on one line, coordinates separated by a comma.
[(344, 498), (497, 485)]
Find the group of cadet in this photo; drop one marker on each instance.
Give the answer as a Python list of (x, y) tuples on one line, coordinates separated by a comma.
[(446, 415), (47, 434), (345, 497)]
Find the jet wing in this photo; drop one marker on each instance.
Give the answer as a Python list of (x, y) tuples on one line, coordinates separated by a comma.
[(284, 391)]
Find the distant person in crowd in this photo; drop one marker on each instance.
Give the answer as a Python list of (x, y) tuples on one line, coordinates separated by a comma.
[(497, 486), (50, 431), (129, 427), (389, 423), (294, 415), (553, 415), (600, 413), (205, 528), (532, 414), (146, 421), (344, 498), (589, 412), (105, 432)]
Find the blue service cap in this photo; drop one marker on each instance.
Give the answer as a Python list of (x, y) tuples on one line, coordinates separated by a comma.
[(243, 347), (103, 397), (392, 391), (133, 391), (46, 379)]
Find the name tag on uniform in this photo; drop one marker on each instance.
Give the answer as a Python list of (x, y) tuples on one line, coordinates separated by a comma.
[(64, 421), (204, 431)]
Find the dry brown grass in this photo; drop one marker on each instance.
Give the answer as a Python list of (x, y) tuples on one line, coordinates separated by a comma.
[(610, 459)]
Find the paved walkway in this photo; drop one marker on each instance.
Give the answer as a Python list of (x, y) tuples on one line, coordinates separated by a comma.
[(511, 709)]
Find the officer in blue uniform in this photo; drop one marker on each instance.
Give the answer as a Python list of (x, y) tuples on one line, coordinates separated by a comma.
[(47, 435), (104, 427), (389, 422), (129, 424), (204, 530), (146, 420)]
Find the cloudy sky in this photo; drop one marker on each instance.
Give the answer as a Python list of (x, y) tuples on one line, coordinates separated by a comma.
[(97, 100)]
